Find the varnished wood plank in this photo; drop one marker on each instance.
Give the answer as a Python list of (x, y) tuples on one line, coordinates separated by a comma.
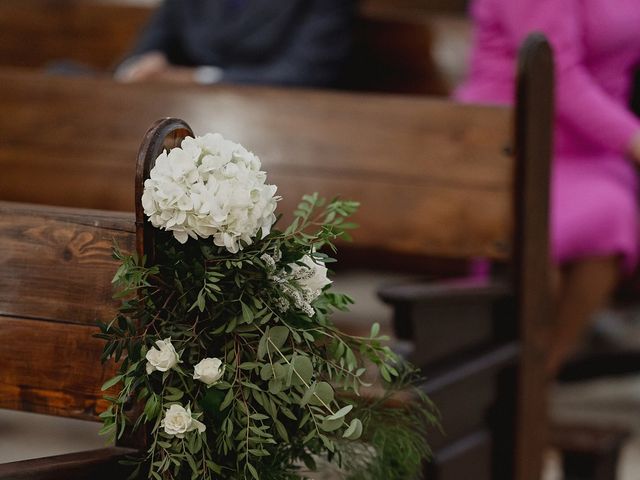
[(416, 164), (378, 134), (414, 219), (51, 368), (57, 264), (452, 6), (34, 33)]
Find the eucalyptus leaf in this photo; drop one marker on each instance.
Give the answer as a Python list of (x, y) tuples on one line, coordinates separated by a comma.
[(341, 413), (331, 424), (278, 336), (302, 370), (323, 394), (354, 431)]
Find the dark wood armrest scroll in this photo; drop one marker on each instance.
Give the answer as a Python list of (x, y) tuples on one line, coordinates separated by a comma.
[(165, 134)]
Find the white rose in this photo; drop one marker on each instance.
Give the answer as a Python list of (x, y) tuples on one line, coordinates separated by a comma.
[(209, 371), (162, 358), (311, 277), (177, 421)]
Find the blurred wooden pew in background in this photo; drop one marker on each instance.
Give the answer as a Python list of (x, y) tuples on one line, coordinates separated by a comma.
[(96, 33), (398, 47)]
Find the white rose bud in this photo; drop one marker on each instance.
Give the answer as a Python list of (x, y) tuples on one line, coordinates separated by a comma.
[(162, 358), (177, 421), (209, 371)]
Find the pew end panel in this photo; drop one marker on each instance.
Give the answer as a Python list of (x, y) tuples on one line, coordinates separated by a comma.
[(463, 179), (501, 317), (55, 284)]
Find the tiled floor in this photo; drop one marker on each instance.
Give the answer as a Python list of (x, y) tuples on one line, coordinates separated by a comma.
[(24, 436), (610, 401)]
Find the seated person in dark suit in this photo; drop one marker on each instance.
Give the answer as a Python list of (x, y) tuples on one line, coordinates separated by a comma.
[(282, 42)]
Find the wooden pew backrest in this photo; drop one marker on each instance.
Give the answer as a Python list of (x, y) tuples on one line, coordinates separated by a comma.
[(409, 46), (56, 267), (34, 33), (416, 164), (405, 50), (435, 6)]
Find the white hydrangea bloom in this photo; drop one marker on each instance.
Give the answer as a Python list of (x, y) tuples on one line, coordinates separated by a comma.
[(210, 187)]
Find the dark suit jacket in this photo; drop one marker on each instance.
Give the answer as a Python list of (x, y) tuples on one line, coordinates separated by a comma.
[(289, 42)]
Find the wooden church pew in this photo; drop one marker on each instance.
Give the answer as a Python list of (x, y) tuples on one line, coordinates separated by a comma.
[(434, 178), (55, 282), (96, 33), (65, 145), (403, 47)]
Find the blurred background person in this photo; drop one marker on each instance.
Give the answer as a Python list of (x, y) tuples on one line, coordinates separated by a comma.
[(284, 42), (594, 212)]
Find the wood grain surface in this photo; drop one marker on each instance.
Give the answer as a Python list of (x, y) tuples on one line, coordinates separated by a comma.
[(103, 464), (95, 33), (51, 368), (416, 164), (55, 284), (57, 265)]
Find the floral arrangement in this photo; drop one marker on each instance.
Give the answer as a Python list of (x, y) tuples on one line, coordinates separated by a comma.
[(226, 345)]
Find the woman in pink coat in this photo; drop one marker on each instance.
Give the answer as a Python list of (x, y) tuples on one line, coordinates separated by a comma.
[(594, 212)]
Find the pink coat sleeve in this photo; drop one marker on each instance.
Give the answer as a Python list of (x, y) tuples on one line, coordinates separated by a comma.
[(580, 101)]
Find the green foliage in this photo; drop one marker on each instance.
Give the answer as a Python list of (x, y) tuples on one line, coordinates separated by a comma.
[(290, 393)]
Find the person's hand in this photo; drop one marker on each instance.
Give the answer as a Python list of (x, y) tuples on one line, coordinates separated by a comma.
[(634, 149), (149, 66)]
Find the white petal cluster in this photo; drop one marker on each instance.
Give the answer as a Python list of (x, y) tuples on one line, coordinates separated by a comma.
[(209, 371), (303, 284), (178, 420), (310, 276), (162, 357), (210, 187)]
